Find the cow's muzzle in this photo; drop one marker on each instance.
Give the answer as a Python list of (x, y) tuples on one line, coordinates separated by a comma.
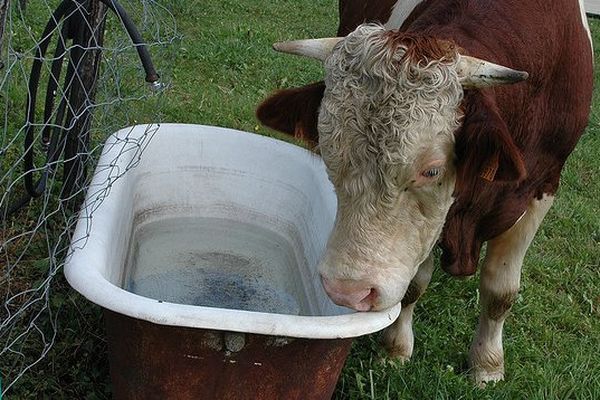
[(359, 296)]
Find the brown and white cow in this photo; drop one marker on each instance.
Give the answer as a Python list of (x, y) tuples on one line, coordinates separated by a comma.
[(425, 142)]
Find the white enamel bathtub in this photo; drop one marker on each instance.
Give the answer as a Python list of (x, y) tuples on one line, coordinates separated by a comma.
[(201, 204)]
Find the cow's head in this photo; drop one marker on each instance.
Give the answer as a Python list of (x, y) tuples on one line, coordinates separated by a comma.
[(386, 125)]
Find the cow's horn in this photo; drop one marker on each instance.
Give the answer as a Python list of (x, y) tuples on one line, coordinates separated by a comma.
[(476, 73), (314, 48)]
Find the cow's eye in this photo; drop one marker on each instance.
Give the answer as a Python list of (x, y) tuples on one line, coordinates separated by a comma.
[(430, 173)]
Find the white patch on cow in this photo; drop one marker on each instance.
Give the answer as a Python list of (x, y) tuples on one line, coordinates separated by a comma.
[(400, 12), (398, 338), (498, 287), (385, 122), (584, 21)]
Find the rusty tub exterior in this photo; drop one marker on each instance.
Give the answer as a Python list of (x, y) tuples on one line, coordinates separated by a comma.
[(150, 361)]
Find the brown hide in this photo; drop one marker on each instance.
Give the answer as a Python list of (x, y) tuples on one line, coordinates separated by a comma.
[(301, 107), (355, 12), (545, 115), (514, 139)]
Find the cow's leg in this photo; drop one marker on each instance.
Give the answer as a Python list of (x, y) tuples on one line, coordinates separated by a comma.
[(398, 338), (498, 288)]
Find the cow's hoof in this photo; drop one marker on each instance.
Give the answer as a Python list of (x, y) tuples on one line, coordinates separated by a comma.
[(399, 355), (398, 345), (482, 378)]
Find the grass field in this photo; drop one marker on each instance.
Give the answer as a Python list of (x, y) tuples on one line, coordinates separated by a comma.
[(222, 70)]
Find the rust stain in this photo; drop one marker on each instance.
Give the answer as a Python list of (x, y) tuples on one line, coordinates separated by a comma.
[(150, 361)]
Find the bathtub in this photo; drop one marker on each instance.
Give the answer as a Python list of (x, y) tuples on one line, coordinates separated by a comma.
[(202, 250)]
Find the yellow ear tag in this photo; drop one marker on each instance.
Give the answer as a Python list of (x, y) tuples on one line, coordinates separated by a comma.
[(489, 171)]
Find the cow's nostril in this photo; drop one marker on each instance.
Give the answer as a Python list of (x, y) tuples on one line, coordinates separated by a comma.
[(372, 295), (367, 303), (352, 294)]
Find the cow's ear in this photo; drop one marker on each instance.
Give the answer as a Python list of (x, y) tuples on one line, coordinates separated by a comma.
[(294, 111), (484, 146)]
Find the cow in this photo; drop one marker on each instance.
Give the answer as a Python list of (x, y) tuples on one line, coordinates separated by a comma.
[(441, 122)]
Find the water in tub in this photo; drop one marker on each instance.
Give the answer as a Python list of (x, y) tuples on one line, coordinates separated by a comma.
[(216, 263)]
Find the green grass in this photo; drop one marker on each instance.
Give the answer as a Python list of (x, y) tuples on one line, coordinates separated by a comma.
[(224, 67)]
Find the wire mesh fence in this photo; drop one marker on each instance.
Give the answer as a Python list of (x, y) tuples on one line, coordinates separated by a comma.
[(71, 75)]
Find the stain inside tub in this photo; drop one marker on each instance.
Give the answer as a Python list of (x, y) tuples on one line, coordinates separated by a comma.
[(216, 263)]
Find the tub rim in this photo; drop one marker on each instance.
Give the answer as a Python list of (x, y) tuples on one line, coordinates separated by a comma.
[(84, 276)]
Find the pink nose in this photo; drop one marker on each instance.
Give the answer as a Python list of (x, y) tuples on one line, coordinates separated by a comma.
[(352, 294)]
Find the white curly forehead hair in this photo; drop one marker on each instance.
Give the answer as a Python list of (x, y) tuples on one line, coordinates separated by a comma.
[(389, 97)]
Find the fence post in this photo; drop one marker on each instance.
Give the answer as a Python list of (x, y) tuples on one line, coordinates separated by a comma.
[(87, 28), (4, 7)]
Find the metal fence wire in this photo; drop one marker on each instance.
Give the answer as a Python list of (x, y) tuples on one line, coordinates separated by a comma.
[(72, 72)]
